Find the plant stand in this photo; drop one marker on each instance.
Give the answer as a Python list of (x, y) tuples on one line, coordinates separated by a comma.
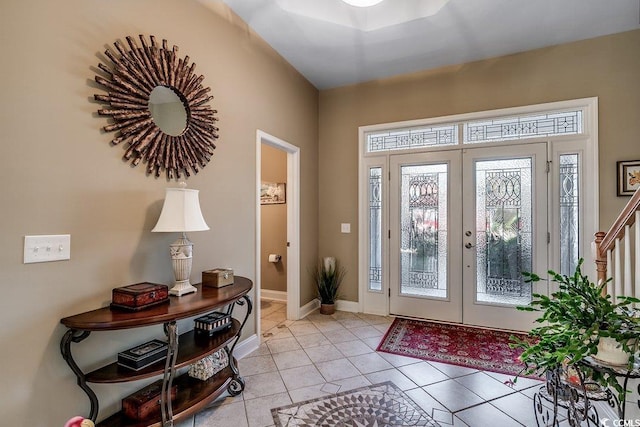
[(577, 397)]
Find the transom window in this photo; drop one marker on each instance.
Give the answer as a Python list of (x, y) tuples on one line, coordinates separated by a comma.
[(407, 138), (529, 126), (495, 129)]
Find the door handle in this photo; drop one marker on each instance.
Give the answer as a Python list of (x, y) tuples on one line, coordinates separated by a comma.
[(468, 245)]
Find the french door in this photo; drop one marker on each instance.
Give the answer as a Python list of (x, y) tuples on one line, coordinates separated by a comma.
[(465, 223)]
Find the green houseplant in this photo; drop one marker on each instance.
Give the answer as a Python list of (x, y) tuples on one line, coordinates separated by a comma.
[(328, 277), (575, 319)]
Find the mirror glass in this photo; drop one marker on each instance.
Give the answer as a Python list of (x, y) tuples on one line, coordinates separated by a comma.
[(168, 111)]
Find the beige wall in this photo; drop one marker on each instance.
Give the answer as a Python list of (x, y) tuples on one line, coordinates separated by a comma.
[(273, 227), (606, 67), (60, 175)]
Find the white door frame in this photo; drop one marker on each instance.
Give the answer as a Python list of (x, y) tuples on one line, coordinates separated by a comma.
[(586, 143), (293, 223)]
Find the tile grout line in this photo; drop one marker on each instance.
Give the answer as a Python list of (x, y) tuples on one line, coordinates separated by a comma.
[(325, 335)]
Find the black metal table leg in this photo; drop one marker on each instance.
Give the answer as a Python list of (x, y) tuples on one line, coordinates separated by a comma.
[(237, 384), (74, 335)]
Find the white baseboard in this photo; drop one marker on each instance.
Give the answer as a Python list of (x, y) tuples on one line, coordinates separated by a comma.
[(246, 347), (377, 313), (309, 307), (352, 306), (273, 295), (341, 305)]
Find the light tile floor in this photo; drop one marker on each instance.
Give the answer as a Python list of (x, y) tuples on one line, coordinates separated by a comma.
[(321, 355)]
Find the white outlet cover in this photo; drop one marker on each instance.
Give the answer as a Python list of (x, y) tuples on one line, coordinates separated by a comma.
[(47, 248), (345, 228)]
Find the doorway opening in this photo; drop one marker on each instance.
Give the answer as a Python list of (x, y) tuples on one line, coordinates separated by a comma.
[(465, 224), (277, 231)]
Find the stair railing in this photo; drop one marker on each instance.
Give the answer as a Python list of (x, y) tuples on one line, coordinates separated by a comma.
[(614, 250)]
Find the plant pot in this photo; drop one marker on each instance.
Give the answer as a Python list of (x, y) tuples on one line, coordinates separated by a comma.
[(610, 351), (327, 308)]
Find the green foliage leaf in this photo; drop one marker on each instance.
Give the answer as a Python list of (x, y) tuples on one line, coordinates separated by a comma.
[(572, 321), (328, 282)]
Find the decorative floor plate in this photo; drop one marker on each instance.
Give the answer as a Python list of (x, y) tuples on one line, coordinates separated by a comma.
[(377, 405)]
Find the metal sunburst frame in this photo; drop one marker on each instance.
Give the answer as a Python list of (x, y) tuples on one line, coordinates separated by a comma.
[(133, 74)]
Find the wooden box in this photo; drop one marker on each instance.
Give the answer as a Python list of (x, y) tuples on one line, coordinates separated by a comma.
[(211, 323), (217, 277), (145, 402), (143, 355), (139, 296)]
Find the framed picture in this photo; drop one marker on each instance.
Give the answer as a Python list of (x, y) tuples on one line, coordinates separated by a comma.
[(272, 193), (628, 177)]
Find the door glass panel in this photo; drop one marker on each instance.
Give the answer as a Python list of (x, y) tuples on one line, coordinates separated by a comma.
[(503, 230), (375, 229), (423, 227), (569, 213)]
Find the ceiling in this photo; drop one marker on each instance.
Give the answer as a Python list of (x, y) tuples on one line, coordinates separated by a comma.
[(333, 44)]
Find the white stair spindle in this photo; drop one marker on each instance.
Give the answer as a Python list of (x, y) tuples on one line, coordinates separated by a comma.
[(607, 275), (636, 267), (627, 261), (617, 277)]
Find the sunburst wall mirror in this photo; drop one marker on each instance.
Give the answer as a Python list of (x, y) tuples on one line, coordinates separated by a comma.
[(159, 108)]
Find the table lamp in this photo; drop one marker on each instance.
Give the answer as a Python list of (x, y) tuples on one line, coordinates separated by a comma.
[(181, 213)]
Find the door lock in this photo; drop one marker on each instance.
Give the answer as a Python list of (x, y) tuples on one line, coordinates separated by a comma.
[(468, 233), (468, 245)]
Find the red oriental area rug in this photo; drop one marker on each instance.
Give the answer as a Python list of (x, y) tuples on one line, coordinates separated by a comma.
[(477, 348)]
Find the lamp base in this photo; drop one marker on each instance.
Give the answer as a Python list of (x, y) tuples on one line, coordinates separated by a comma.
[(181, 259), (182, 287)]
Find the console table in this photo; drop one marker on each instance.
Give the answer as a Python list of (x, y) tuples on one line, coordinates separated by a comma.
[(184, 349)]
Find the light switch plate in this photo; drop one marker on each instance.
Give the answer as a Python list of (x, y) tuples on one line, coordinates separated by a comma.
[(47, 248), (345, 228)]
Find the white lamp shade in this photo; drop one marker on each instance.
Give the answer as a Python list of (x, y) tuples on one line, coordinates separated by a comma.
[(181, 212)]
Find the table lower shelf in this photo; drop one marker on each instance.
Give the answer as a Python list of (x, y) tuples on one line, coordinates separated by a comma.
[(191, 348), (192, 396)]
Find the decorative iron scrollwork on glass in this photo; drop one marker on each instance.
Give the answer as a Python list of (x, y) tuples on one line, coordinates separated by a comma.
[(504, 128), (504, 245), (399, 139), (503, 189), (423, 191), (502, 286), (375, 228), (503, 233), (423, 239), (569, 213)]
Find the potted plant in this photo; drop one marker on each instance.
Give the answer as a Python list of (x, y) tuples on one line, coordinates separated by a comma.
[(328, 276), (576, 320)]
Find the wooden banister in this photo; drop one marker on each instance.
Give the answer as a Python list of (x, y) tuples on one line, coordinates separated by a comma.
[(605, 242), (626, 217), (600, 259)]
